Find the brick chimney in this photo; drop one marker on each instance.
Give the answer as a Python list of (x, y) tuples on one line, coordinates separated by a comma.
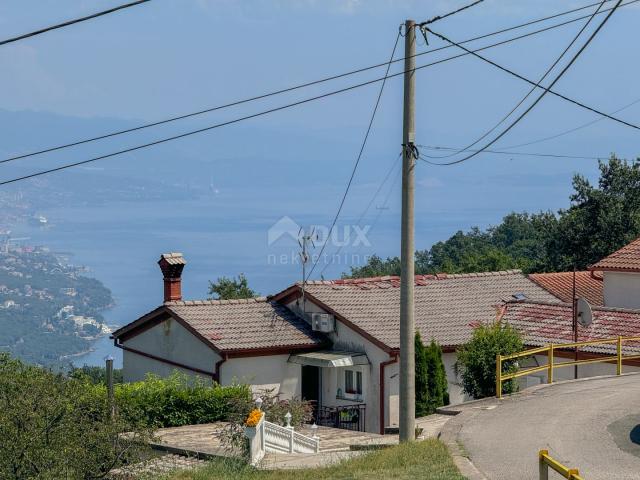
[(171, 265)]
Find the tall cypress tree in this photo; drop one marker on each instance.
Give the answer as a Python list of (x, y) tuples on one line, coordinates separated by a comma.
[(422, 378), (438, 392)]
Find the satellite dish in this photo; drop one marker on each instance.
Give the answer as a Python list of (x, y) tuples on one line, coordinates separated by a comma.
[(583, 312)]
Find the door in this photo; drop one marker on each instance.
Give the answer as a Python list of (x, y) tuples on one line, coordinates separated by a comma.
[(310, 387)]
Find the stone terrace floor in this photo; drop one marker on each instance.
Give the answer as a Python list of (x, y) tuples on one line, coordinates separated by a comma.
[(203, 440)]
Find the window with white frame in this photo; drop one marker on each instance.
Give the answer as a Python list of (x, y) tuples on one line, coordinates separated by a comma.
[(352, 382)]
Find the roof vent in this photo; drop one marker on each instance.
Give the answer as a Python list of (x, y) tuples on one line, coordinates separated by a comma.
[(519, 296)]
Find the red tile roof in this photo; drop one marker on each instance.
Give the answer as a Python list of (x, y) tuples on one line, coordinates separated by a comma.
[(238, 325), (445, 305), (625, 259), (543, 323), (561, 285)]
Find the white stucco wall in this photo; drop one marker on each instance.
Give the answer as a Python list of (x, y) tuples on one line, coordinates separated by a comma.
[(345, 338), (264, 372), (171, 341), (136, 367), (622, 289), (456, 395)]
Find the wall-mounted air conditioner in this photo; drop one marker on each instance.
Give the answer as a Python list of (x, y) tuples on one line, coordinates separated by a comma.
[(322, 322)]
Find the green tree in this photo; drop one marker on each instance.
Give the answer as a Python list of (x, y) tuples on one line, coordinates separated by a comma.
[(476, 362), (437, 377), (56, 427), (431, 378), (231, 288), (422, 378), (600, 219)]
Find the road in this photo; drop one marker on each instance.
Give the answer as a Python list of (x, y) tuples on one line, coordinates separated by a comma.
[(588, 424)]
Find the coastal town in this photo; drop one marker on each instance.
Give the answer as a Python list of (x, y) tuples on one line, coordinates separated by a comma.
[(50, 310)]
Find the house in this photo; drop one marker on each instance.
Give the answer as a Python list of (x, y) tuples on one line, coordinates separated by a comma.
[(337, 342), (348, 363), (621, 276)]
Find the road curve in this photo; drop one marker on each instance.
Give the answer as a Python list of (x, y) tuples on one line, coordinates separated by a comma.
[(585, 424)]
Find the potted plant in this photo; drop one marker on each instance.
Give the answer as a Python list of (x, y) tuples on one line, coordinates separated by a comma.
[(252, 421)]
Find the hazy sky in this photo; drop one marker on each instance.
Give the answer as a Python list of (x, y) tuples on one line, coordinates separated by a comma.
[(170, 57)]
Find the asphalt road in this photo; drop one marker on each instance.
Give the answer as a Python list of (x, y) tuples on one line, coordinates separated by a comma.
[(590, 425)]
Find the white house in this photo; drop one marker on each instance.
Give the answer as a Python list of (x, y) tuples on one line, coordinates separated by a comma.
[(337, 343)]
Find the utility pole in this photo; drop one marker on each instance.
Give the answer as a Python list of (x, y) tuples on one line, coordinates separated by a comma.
[(407, 322), (110, 393)]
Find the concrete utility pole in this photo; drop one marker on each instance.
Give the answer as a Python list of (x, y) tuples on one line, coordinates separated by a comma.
[(407, 322), (110, 393)]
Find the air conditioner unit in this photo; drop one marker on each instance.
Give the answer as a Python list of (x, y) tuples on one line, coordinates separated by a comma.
[(322, 322)]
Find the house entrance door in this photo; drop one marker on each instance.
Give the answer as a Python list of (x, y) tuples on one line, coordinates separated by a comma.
[(310, 388)]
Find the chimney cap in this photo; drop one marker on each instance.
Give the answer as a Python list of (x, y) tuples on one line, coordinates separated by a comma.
[(173, 258)]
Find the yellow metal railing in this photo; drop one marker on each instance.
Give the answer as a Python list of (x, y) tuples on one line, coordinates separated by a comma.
[(549, 351), (545, 463)]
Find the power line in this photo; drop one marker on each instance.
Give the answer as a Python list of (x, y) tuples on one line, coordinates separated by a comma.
[(541, 96), (71, 22), (440, 17), (428, 158), (366, 210), (531, 90), (571, 130), (531, 82), (355, 166), (308, 84), (318, 97)]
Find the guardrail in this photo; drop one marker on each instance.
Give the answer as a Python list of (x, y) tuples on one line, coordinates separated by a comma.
[(545, 463), (551, 365)]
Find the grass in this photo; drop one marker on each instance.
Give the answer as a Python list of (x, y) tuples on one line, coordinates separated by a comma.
[(427, 460)]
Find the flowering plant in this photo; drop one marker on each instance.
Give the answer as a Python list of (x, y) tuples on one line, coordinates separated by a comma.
[(254, 418)]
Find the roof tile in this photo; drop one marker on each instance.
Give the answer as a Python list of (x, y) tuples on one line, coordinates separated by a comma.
[(627, 258), (560, 284), (445, 306)]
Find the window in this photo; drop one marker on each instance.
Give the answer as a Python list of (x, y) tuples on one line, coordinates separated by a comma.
[(352, 382)]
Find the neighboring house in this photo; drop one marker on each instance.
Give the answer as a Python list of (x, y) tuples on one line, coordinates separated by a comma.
[(337, 342), (561, 284), (621, 272)]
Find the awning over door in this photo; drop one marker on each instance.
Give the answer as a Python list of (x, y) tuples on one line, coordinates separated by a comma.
[(330, 359)]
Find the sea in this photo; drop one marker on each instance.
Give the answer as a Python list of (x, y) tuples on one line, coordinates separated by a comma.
[(120, 244)]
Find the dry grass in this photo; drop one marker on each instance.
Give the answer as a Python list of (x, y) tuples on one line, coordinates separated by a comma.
[(428, 460)]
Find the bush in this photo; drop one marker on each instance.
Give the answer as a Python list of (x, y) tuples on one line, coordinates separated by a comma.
[(55, 427), (438, 387), (274, 409), (431, 378), (178, 400), (477, 359), (95, 374)]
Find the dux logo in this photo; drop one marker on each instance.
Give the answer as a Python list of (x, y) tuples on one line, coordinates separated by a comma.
[(285, 228), (288, 231)]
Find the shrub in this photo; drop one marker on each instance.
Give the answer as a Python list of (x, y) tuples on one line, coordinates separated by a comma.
[(179, 400), (56, 427), (95, 374), (477, 359), (274, 409), (422, 379), (431, 378), (438, 387)]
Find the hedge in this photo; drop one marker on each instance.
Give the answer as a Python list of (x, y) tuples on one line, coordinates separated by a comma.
[(177, 400)]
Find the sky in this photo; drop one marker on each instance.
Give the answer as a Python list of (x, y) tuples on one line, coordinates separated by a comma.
[(169, 57)]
